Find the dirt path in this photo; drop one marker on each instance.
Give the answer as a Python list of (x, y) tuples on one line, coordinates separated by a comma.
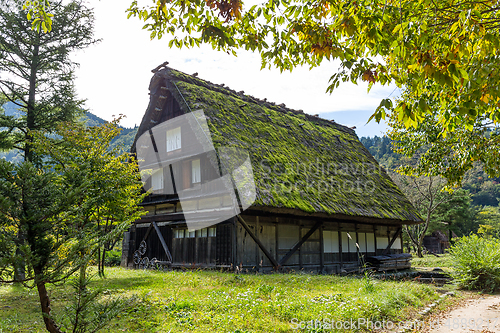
[(475, 315)]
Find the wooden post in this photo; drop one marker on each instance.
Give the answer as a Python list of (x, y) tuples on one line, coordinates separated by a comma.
[(257, 232), (321, 250), (235, 244), (401, 240), (298, 250), (375, 238), (340, 248), (357, 243), (276, 244)]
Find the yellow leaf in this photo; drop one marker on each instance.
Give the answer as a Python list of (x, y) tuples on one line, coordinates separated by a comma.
[(485, 98)]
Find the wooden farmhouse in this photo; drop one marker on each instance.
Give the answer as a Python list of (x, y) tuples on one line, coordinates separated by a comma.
[(320, 202)]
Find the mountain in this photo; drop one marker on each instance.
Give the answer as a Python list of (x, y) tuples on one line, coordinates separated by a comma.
[(123, 141)]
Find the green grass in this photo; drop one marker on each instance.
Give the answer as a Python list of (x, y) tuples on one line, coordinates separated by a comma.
[(208, 301), (429, 260)]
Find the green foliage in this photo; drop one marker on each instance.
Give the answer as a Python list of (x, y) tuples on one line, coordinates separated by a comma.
[(88, 311), (112, 186), (484, 191), (71, 209), (458, 214), (476, 263), (113, 258), (489, 222), (450, 155), (37, 72)]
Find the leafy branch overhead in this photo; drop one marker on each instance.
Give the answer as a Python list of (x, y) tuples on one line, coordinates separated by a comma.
[(444, 50)]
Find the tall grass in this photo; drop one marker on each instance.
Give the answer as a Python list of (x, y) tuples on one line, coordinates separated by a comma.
[(476, 263)]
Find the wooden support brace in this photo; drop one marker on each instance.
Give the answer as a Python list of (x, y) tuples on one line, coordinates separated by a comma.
[(147, 233), (299, 244), (163, 243), (258, 242), (396, 235)]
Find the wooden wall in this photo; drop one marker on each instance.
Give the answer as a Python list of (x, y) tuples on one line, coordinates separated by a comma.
[(330, 248)]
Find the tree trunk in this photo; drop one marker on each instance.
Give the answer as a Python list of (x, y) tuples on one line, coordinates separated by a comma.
[(30, 114), (50, 324)]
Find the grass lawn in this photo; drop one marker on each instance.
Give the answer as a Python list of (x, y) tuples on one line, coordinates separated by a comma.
[(209, 301), (429, 260)]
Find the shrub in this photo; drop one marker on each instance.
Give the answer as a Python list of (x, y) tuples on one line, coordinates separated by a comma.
[(113, 258), (476, 263)]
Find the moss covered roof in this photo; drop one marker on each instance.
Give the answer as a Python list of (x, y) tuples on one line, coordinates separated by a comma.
[(299, 161)]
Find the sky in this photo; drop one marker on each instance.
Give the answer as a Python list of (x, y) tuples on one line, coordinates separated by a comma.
[(114, 75)]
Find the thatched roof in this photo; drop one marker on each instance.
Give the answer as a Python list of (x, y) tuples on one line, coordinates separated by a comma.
[(300, 162)]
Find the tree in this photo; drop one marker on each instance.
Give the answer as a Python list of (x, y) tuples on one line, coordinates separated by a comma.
[(36, 72), (489, 222), (426, 194), (450, 155), (60, 205)]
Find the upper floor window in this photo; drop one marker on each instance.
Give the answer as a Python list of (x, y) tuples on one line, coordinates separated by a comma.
[(195, 171), (174, 139)]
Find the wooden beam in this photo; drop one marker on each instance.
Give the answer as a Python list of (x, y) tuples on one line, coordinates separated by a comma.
[(396, 235), (162, 241), (147, 233), (299, 244), (259, 243)]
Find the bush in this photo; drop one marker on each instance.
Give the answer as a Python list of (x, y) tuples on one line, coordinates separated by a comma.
[(476, 263), (113, 258)]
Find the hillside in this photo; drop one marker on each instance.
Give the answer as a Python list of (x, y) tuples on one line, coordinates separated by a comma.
[(484, 191), (123, 141)]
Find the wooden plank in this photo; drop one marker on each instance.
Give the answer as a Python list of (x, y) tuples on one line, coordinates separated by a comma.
[(299, 244), (396, 235), (259, 243), (163, 243)]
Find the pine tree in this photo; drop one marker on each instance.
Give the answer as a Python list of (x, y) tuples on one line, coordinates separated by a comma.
[(36, 72)]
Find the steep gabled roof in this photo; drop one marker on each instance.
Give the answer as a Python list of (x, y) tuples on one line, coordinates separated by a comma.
[(299, 161)]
